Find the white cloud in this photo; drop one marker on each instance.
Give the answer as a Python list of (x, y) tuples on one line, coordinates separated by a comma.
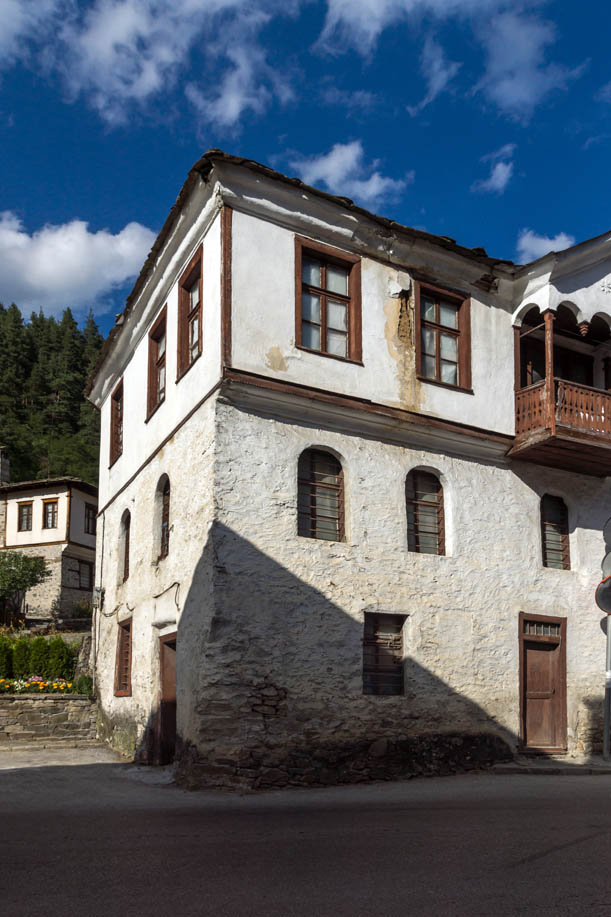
[(604, 93), (531, 246), (67, 265), (501, 170), (358, 100), (21, 19), (438, 72), (343, 171), (517, 78)]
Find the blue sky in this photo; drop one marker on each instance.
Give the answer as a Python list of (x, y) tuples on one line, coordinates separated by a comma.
[(484, 120)]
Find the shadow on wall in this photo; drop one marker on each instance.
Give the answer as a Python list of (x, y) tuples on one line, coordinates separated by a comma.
[(270, 685)]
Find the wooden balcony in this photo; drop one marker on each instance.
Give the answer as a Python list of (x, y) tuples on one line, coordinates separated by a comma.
[(564, 425)]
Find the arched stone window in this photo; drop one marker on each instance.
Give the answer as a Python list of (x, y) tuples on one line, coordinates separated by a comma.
[(320, 496), (425, 519), (126, 521), (555, 533), (162, 518)]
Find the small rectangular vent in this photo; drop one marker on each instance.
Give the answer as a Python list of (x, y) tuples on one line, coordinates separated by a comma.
[(541, 629)]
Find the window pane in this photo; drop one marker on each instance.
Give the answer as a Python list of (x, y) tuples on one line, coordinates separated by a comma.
[(161, 382), (428, 309), (428, 367), (310, 271), (428, 341), (336, 316), (336, 343), (449, 348), (337, 279), (310, 336), (449, 373), (161, 347), (448, 315), (310, 307), (194, 295)]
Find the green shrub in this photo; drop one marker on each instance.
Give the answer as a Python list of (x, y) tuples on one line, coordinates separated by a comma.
[(6, 657), (83, 685), (61, 659), (39, 657), (21, 658)]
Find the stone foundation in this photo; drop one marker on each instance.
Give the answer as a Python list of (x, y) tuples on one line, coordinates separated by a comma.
[(384, 759), (33, 718)]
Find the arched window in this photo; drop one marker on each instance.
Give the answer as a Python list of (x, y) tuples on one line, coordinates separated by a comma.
[(555, 533), (165, 519), (126, 522), (425, 523), (320, 496)]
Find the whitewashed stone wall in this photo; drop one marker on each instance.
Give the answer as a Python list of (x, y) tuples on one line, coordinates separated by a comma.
[(282, 672), (157, 592)]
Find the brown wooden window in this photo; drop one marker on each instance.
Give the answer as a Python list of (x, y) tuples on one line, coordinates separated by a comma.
[(126, 525), (24, 520), (91, 513), (49, 514), (425, 519), (116, 423), (157, 354), (443, 337), (123, 662), (190, 314), (328, 306), (555, 533), (320, 496), (85, 575), (383, 654), (164, 547)]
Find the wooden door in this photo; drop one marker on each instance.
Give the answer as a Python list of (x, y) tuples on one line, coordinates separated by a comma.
[(167, 705), (543, 682)]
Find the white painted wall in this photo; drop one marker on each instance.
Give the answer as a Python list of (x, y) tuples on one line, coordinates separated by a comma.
[(77, 518), (141, 438), (263, 308)]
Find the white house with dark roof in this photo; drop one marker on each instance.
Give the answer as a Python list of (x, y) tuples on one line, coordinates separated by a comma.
[(353, 481), (55, 519)]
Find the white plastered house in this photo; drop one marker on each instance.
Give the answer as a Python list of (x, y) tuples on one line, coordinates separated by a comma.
[(353, 480)]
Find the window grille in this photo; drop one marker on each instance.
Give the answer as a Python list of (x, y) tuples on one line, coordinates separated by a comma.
[(116, 423), (123, 664), (383, 654), (127, 521), (555, 533), (165, 520), (425, 517), (541, 629), (320, 496)]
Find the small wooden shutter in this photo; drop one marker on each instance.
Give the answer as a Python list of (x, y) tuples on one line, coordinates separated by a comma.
[(383, 654), (123, 663), (425, 518), (320, 496), (555, 533)]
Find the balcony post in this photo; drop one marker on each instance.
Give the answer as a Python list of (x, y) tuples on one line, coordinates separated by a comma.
[(517, 367), (550, 394)]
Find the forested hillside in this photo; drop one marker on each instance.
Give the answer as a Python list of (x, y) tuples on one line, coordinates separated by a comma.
[(46, 422)]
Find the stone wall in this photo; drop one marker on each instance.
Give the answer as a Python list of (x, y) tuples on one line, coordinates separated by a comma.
[(34, 718), (43, 601)]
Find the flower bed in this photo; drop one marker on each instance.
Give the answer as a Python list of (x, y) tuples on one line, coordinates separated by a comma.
[(36, 685)]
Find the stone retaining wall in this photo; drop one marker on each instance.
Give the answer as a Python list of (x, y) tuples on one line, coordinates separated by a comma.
[(31, 718)]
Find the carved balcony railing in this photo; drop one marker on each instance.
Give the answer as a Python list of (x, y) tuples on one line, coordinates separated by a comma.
[(579, 407)]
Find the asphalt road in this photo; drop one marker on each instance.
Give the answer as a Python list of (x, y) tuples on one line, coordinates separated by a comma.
[(93, 839)]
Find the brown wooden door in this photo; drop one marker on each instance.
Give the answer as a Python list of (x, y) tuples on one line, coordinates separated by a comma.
[(543, 682), (167, 706)]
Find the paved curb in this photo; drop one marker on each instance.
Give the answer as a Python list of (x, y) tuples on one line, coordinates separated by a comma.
[(49, 745)]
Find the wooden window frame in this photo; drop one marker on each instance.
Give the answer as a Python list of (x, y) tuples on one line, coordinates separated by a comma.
[(89, 564), (311, 520), (193, 272), (376, 673), (123, 687), (116, 423), (46, 503), (91, 512), (155, 362), (23, 504), (413, 535), (462, 333), (352, 263), (564, 533), (126, 523), (164, 527)]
